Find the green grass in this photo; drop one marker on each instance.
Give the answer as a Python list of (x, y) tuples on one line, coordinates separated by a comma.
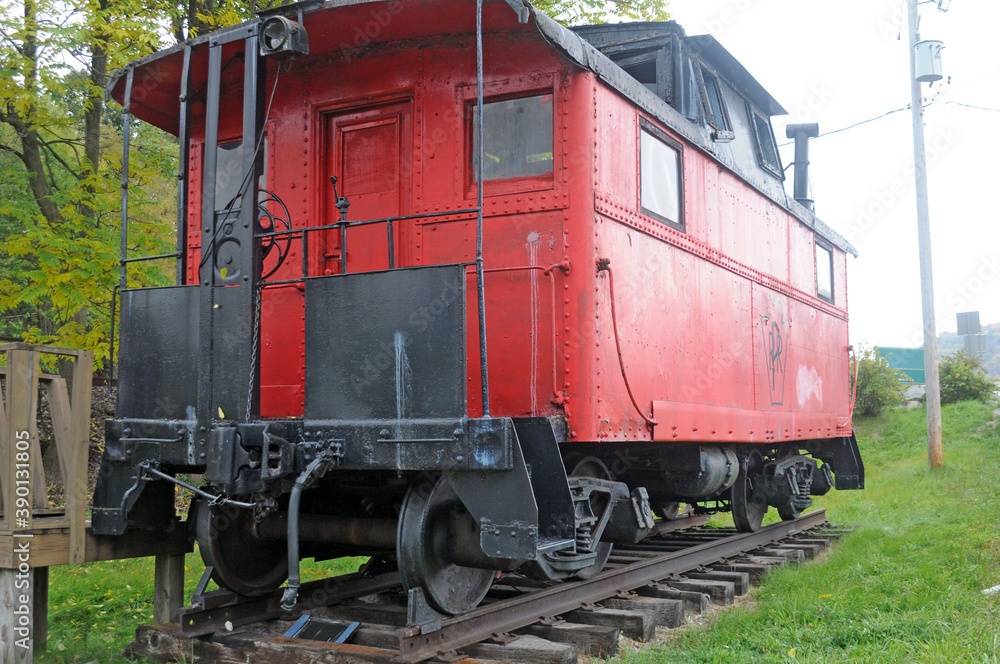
[(94, 609), (906, 586)]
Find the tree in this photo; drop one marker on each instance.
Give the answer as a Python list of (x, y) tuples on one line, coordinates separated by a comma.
[(59, 241), (60, 155), (964, 379), (583, 12), (879, 385)]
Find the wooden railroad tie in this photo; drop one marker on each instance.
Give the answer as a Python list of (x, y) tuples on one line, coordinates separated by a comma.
[(592, 630)]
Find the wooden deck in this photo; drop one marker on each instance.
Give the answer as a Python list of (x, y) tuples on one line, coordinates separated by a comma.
[(35, 535), (50, 544)]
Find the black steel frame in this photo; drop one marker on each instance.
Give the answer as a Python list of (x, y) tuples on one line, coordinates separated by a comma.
[(247, 238)]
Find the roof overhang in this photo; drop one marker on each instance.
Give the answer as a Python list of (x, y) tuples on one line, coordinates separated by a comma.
[(156, 77)]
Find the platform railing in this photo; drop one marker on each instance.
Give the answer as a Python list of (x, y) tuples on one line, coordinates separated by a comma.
[(255, 110), (34, 534), (24, 501)]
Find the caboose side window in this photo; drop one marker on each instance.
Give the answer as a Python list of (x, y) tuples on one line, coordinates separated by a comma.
[(661, 178), (716, 111), (517, 135), (644, 72), (824, 272), (767, 153)]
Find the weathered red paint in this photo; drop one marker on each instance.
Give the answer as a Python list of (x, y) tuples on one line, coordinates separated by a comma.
[(723, 336)]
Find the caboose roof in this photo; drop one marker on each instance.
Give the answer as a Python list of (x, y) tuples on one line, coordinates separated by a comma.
[(610, 36), (157, 77)]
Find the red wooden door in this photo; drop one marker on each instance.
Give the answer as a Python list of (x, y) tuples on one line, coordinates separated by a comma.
[(368, 150)]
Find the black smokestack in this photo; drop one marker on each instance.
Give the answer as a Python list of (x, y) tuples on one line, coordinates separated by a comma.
[(802, 133)]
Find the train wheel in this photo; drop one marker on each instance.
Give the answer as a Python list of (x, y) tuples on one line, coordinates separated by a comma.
[(667, 511), (787, 512), (240, 561), (422, 549), (749, 501)]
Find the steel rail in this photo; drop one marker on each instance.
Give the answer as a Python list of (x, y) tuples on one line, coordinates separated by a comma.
[(484, 621), (218, 610)]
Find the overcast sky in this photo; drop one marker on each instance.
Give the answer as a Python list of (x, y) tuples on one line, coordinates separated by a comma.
[(838, 63)]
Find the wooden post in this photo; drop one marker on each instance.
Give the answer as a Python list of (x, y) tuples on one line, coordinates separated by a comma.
[(22, 409), (935, 451), (71, 426), (3, 448), (40, 608), (168, 588), (16, 618)]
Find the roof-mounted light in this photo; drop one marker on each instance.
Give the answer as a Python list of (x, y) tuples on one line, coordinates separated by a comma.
[(281, 36)]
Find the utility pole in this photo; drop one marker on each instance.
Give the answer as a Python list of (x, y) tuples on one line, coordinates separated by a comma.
[(935, 453)]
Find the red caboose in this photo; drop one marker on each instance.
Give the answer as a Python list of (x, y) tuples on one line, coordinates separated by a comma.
[(661, 320)]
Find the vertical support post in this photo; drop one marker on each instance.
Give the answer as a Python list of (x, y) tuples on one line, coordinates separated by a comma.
[(254, 82), (935, 453), (206, 270), (17, 453), (168, 588), (4, 477), (679, 91), (111, 353), (480, 279), (305, 254), (75, 477), (392, 249), (40, 608), (343, 242), (229, 367), (210, 162), (184, 147), (126, 138), (15, 647), (22, 409)]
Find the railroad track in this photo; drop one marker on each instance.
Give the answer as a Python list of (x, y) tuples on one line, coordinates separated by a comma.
[(652, 584)]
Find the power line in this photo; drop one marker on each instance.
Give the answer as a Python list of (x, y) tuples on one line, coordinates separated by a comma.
[(857, 124), (981, 108), (897, 110), (937, 96)]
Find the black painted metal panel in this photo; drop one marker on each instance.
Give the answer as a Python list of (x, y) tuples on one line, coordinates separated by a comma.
[(232, 350), (386, 345), (157, 370), (556, 517)]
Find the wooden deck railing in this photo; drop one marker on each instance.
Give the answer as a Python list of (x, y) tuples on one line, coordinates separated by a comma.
[(68, 397), (34, 534)]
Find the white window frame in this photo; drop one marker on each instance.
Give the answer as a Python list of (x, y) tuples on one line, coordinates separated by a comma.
[(822, 246), (645, 178)]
